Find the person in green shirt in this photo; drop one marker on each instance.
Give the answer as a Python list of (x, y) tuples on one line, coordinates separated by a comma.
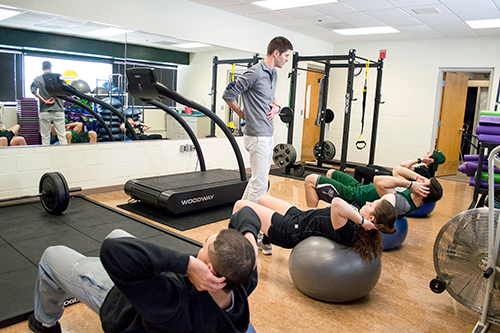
[(410, 189)]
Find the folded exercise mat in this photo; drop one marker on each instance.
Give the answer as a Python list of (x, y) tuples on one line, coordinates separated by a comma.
[(488, 129), (469, 168), (489, 113), (489, 138), (474, 158), (489, 120), (485, 177), (482, 184)]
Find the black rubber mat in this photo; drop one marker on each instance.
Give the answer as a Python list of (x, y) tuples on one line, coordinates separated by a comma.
[(183, 221), (26, 230)]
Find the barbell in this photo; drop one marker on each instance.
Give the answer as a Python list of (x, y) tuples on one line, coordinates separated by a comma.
[(54, 193)]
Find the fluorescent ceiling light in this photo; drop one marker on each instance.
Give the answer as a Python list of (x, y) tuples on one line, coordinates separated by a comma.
[(190, 45), (366, 31), (483, 24), (285, 4), (7, 13), (110, 32)]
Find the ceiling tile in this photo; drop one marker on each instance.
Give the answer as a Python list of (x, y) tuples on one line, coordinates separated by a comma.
[(363, 5), (478, 10), (267, 16), (245, 9), (357, 20), (334, 8), (408, 3), (300, 12), (320, 20), (393, 17)]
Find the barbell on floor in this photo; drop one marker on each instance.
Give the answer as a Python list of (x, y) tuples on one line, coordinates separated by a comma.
[(54, 193)]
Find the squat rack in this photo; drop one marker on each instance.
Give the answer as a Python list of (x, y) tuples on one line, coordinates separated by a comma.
[(249, 62), (350, 64)]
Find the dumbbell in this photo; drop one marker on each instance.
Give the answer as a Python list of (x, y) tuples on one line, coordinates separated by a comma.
[(54, 193)]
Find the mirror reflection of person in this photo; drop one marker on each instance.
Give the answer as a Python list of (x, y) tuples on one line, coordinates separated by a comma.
[(51, 108), (139, 128), (8, 137), (75, 133)]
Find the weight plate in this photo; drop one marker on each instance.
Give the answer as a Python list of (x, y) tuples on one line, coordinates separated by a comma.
[(55, 197), (298, 170), (286, 114), (284, 154), (329, 150), (329, 116)]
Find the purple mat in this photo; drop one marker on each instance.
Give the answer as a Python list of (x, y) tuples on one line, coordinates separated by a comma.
[(488, 129), (489, 120), (469, 168), (482, 184), (474, 158), (489, 138)]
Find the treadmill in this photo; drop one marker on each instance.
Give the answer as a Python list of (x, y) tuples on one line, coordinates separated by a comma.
[(190, 191)]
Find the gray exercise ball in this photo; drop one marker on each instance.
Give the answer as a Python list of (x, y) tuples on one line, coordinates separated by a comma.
[(81, 85), (331, 272)]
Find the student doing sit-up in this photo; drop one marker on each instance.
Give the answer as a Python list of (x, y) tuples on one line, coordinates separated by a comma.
[(285, 225)]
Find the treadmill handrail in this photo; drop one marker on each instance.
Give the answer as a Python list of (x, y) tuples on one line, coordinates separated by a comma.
[(169, 93), (186, 127), (55, 85), (92, 112)]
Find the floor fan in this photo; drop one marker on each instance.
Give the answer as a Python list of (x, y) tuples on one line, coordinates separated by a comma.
[(466, 259)]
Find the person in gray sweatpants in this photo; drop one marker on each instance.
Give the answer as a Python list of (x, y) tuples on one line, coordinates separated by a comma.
[(257, 87), (51, 109)]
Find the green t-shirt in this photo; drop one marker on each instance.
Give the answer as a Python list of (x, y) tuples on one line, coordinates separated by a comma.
[(368, 193)]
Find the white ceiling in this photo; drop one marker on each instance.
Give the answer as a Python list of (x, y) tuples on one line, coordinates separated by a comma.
[(36, 21), (415, 19)]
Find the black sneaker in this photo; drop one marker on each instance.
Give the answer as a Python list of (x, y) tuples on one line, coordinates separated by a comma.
[(37, 326)]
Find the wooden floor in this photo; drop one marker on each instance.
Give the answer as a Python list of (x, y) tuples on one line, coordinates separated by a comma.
[(401, 301)]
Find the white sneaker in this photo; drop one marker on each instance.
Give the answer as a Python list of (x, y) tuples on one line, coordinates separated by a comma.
[(266, 249)]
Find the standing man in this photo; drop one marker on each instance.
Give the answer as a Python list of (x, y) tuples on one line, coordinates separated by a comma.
[(257, 87), (51, 109)]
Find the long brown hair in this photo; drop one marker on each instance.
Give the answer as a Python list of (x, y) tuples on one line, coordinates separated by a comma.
[(368, 243)]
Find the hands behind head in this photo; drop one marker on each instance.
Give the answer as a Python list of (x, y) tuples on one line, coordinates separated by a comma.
[(202, 278), (427, 160), (419, 187), (368, 225)]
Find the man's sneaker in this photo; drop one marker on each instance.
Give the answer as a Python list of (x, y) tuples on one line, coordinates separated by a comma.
[(37, 326), (266, 249)]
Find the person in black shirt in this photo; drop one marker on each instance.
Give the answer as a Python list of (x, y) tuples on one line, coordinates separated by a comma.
[(139, 128), (285, 225), (137, 286)]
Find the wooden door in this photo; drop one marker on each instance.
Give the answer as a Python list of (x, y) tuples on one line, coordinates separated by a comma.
[(451, 118), (310, 133)]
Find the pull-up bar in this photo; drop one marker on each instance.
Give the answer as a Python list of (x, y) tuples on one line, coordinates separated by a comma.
[(350, 65)]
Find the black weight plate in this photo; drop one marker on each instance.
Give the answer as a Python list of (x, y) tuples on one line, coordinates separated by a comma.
[(284, 154), (55, 197), (298, 170), (329, 150), (286, 114), (329, 116)]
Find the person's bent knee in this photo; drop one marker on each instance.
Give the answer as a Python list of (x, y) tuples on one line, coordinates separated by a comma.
[(4, 142), (18, 141), (239, 205), (52, 252), (311, 180)]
